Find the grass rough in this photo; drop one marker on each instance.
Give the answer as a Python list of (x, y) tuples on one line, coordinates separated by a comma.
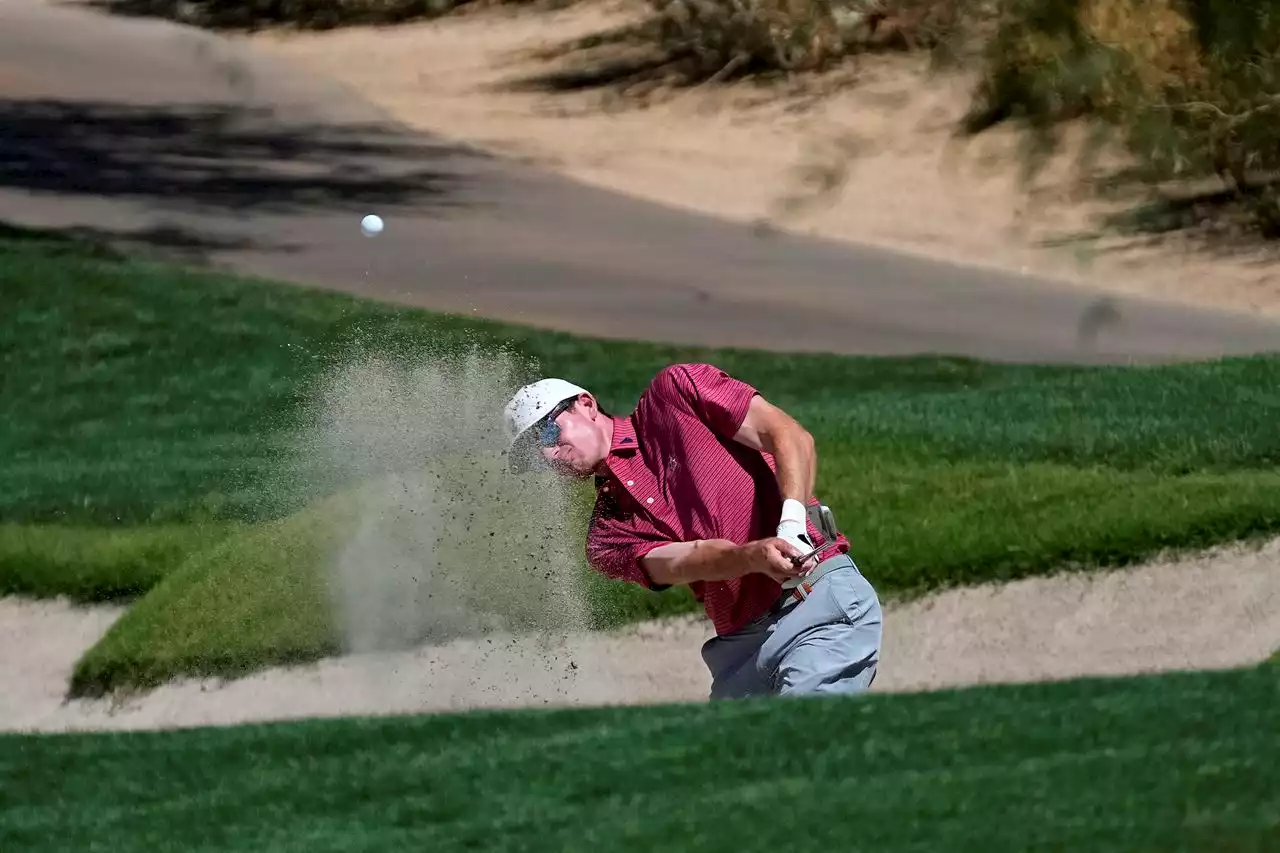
[(261, 600), (269, 596), (90, 564), (1179, 762), (224, 614)]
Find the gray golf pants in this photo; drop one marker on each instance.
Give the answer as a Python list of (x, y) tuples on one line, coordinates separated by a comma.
[(828, 643)]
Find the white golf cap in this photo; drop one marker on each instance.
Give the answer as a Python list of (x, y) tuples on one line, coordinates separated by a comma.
[(531, 404)]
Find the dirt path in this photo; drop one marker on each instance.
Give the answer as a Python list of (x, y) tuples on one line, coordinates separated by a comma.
[(1221, 609), (898, 180)]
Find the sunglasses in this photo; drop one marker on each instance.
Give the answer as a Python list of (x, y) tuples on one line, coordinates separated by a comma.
[(548, 431)]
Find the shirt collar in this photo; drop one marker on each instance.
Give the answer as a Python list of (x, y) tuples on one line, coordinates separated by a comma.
[(623, 446), (624, 436)]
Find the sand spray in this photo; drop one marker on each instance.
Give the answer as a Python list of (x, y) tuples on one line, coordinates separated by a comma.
[(444, 542)]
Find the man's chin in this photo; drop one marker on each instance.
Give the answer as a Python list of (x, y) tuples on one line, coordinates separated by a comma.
[(571, 472)]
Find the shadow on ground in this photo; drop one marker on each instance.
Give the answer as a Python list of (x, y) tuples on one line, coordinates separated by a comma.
[(242, 16), (167, 243), (253, 15), (83, 242), (1219, 223), (206, 159), (678, 47), (633, 59)]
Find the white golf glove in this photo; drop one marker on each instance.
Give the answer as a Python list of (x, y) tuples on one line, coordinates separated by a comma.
[(792, 527)]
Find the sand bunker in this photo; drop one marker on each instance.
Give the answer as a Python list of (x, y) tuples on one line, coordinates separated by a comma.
[(1219, 610), (40, 642)]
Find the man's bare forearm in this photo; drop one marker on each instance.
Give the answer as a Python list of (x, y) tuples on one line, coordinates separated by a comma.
[(703, 560), (768, 428), (796, 458)]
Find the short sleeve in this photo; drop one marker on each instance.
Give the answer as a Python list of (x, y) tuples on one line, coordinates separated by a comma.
[(615, 547), (719, 399)]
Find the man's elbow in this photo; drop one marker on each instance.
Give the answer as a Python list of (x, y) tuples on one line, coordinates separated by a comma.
[(625, 567), (685, 562), (790, 435), (662, 565), (768, 427)]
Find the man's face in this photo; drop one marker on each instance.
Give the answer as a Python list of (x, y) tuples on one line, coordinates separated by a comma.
[(576, 440)]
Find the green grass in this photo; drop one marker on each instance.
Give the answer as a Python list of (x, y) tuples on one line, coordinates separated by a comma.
[(260, 599), (94, 564), (226, 614), (263, 598), (1180, 762), (266, 597), (142, 399), (139, 392)]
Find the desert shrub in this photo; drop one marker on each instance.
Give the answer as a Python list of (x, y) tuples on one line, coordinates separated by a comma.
[(1053, 60), (1189, 87), (1226, 120), (723, 38), (911, 24)]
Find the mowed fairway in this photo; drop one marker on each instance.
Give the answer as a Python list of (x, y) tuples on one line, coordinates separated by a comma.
[(148, 410), (154, 422), (147, 414), (1177, 763)]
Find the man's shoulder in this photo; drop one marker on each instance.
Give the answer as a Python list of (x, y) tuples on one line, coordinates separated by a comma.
[(679, 378), (693, 369)]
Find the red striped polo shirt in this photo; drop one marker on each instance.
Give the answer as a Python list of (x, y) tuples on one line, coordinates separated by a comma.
[(674, 473)]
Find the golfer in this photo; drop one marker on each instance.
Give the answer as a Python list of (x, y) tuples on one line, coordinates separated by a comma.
[(707, 484)]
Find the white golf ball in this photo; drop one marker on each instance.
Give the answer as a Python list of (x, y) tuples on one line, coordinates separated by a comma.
[(371, 224)]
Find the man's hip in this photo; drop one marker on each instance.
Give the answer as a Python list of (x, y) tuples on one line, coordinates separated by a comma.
[(828, 642)]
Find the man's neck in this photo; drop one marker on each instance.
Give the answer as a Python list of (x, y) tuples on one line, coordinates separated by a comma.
[(607, 428)]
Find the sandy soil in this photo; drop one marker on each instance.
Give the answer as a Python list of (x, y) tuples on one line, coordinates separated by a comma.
[(877, 135), (1218, 610), (40, 642)]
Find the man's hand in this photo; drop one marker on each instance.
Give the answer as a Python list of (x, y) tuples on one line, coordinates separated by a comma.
[(793, 531), (772, 557)]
